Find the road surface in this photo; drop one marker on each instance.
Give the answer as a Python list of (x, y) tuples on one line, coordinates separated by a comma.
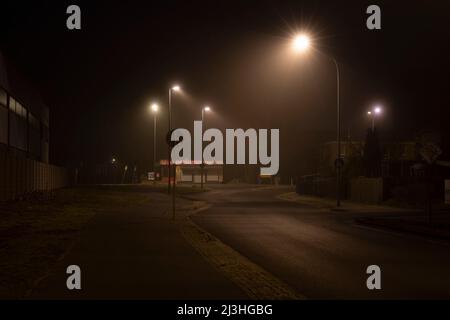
[(136, 253), (324, 254)]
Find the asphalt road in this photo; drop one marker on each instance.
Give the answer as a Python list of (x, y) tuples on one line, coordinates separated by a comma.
[(323, 254)]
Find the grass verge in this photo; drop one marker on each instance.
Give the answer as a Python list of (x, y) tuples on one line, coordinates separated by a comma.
[(37, 231)]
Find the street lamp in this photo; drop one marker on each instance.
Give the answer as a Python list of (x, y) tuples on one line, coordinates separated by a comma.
[(300, 44), (175, 88), (204, 109), (155, 109), (376, 111)]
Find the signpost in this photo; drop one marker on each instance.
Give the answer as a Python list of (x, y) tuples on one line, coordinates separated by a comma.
[(430, 151), (171, 145)]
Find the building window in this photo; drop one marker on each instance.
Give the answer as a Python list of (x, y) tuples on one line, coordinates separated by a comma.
[(21, 111), (17, 108), (12, 104), (17, 125)]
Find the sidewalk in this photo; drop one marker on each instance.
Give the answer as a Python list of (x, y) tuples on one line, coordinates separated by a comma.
[(417, 224), (137, 253), (412, 221), (327, 203)]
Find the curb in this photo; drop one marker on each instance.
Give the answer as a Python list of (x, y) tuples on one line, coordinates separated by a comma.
[(255, 281)]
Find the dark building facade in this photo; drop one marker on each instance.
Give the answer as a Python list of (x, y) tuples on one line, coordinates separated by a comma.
[(24, 118), (24, 140)]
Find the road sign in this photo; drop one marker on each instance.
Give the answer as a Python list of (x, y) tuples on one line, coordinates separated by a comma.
[(447, 191), (151, 176), (430, 152), (429, 149)]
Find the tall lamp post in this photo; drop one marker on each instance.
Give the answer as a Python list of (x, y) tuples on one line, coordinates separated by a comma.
[(300, 44), (155, 109), (202, 165), (175, 88), (376, 111)]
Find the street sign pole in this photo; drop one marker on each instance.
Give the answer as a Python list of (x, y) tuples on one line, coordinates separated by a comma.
[(173, 192), (430, 152), (171, 144)]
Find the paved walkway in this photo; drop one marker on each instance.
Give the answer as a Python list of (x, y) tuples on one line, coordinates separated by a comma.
[(137, 254), (346, 205)]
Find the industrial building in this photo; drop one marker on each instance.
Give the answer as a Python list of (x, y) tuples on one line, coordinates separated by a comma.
[(24, 119), (24, 138)]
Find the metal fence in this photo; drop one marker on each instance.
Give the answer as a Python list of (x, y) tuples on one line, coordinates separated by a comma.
[(20, 175)]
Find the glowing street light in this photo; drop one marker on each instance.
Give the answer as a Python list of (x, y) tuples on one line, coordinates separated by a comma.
[(300, 44), (376, 111), (154, 107), (204, 109)]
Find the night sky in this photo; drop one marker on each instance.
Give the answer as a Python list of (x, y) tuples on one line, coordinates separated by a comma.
[(232, 55)]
